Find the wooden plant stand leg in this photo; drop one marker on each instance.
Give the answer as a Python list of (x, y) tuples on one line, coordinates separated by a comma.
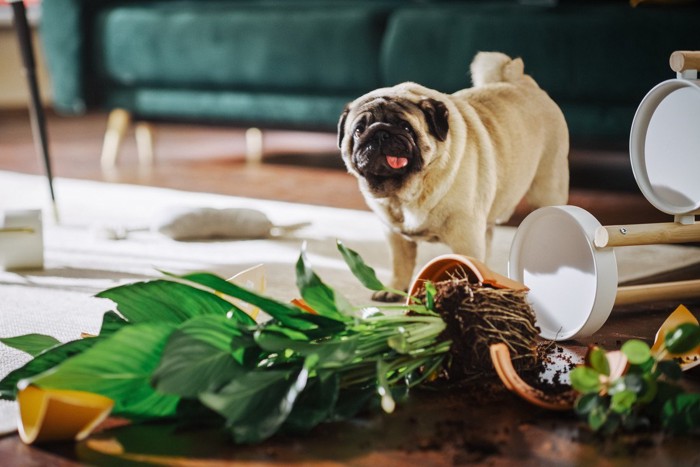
[(253, 145), (145, 143), (117, 124)]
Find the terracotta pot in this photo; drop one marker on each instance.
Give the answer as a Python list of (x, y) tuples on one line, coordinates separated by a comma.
[(452, 265)]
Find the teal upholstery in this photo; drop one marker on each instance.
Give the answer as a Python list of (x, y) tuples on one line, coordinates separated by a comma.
[(295, 63), (251, 48), (274, 110), (63, 38), (596, 60)]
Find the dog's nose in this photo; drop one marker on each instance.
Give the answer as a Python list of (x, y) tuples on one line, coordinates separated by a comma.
[(381, 135)]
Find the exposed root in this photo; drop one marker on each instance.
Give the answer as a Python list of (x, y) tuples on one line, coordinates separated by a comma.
[(478, 316)]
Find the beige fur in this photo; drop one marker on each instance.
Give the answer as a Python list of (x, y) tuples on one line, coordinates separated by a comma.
[(507, 140)]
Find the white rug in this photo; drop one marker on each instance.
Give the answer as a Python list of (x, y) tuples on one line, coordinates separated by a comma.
[(59, 301)]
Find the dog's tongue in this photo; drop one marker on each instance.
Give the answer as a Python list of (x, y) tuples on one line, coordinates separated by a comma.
[(396, 162)]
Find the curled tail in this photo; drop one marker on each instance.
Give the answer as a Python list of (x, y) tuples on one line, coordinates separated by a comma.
[(497, 67)]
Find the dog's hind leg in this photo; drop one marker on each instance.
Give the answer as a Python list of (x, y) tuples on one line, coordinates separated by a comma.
[(550, 187)]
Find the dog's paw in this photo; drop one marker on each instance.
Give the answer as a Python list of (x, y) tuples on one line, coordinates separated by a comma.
[(385, 296)]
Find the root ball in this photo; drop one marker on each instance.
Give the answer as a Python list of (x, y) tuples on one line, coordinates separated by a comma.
[(477, 316)]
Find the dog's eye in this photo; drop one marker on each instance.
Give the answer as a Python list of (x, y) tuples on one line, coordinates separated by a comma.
[(406, 127), (359, 129)]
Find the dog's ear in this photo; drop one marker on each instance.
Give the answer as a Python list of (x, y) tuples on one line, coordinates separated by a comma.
[(341, 125), (436, 114)]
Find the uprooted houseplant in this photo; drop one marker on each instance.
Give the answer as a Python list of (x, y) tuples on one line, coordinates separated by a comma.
[(179, 348)]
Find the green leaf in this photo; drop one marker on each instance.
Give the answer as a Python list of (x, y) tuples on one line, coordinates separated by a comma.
[(646, 367), (612, 423), (585, 379), (430, 292), (258, 403), (666, 391), (323, 299), (598, 360), (274, 339), (622, 402), (190, 367), (111, 322), (429, 368), (588, 402), (42, 363), (399, 342), (670, 369), (636, 351), (333, 352), (683, 338), (223, 333), (33, 344), (360, 270), (164, 301), (119, 367), (315, 403), (597, 418), (649, 391), (681, 414), (216, 283), (287, 314), (351, 400), (634, 382), (198, 357)]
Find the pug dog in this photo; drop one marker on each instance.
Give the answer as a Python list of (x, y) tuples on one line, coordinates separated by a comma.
[(449, 167)]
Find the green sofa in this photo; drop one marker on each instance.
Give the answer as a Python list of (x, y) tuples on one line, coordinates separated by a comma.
[(295, 63)]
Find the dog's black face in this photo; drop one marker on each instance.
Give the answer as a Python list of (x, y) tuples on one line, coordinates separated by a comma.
[(383, 145), (385, 149)]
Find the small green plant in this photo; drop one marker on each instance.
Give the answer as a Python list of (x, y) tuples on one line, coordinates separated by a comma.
[(637, 388)]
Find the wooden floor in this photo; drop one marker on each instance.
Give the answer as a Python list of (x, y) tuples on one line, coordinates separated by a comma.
[(297, 167)]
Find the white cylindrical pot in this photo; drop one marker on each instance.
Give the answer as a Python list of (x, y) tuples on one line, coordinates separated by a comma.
[(665, 146), (572, 283)]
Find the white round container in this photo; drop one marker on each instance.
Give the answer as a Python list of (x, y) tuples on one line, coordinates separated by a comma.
[(665, 146), (572, 283)]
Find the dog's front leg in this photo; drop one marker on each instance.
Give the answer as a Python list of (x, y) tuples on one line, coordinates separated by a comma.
[(472, 239), (403, 258)]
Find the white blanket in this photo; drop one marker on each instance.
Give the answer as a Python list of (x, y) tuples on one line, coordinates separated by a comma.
[(59, 300)]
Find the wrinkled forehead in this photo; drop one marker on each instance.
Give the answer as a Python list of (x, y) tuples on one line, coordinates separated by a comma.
[(383, 108)]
